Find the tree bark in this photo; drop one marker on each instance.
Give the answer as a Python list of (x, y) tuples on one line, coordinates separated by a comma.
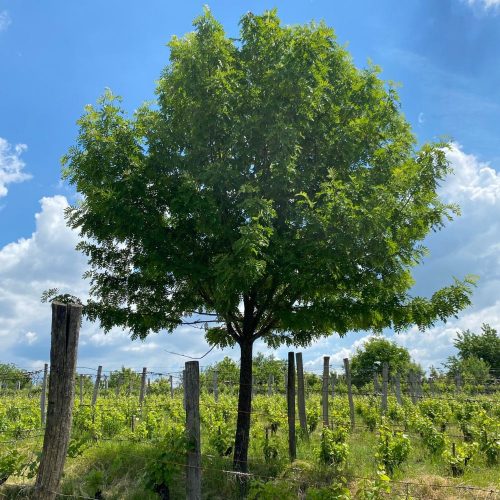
[(244, 407)]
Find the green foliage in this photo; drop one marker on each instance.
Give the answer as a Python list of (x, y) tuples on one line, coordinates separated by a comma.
[(484, 346), (373, 354), (471, 369), (260, 490), (10, 375), (375, 489), (166, 460), (393, 449), (459, 461), (336, 491), (334, 450), (255, 154), (433, 439)]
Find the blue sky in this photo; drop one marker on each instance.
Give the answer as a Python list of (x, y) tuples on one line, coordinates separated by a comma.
[(55, 57)]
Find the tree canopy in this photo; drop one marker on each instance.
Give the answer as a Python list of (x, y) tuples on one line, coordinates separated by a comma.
[(272, 191), (369, 358), (484, 346)]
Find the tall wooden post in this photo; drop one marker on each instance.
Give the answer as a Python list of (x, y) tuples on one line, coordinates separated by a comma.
[(301, 399), (290, 398), (376, 387), (270, 383), (96, 385), (385, 383), (397, 388), (326, 376), (192, 398), (43, 395), (65, 330), (349, 390), (143, 386), (171, 380)]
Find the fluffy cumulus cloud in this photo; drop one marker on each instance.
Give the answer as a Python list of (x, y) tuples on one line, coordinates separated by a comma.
[(11, 164), (5, 20), (47, 259)]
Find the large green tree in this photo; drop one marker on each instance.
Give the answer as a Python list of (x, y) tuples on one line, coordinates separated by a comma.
[(370, 358), (484, 346), (273, 190)]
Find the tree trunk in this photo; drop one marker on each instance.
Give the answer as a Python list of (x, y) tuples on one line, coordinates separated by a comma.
[(244, 408)]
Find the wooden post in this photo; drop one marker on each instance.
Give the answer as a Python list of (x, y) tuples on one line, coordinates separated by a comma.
[(171, 380), (192, 398), (216, 389), (96, 385), (18, 385), (143, 386), (431, 386), (411, 386), (420, 391), (270, 385), (397, 388), (349, 390), (290, 399), (43, 395), (118, 383), (376, 387), (326, 375), (184, 389), (301, 399), (385, 382), (65, 330), (332, 381), (81, 388)]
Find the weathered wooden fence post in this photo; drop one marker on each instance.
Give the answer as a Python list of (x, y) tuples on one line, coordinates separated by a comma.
[(324, 394), (270, 383), (65, 330), (333, 378), (290, 399), (301, 398), (43, 395), (385, 383), (397, 388), (349, 390), (184, 389), (96, 385), (143, 386), (171, 380), (376, 387), (192, 398)]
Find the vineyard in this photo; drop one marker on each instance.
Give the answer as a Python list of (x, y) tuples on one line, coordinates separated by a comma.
[(128, 440)]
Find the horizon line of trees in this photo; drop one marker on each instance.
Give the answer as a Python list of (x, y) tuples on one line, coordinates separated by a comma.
[(476, 362)]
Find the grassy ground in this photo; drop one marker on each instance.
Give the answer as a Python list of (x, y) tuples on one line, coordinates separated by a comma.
[(116, 471)]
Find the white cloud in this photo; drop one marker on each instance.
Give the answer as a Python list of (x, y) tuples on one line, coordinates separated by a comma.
[(11, 165), (474, 183), (487, 4), (31, 337), (5, 20)]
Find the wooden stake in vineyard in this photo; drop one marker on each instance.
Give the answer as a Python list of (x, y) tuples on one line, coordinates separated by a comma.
[(63, 351)]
